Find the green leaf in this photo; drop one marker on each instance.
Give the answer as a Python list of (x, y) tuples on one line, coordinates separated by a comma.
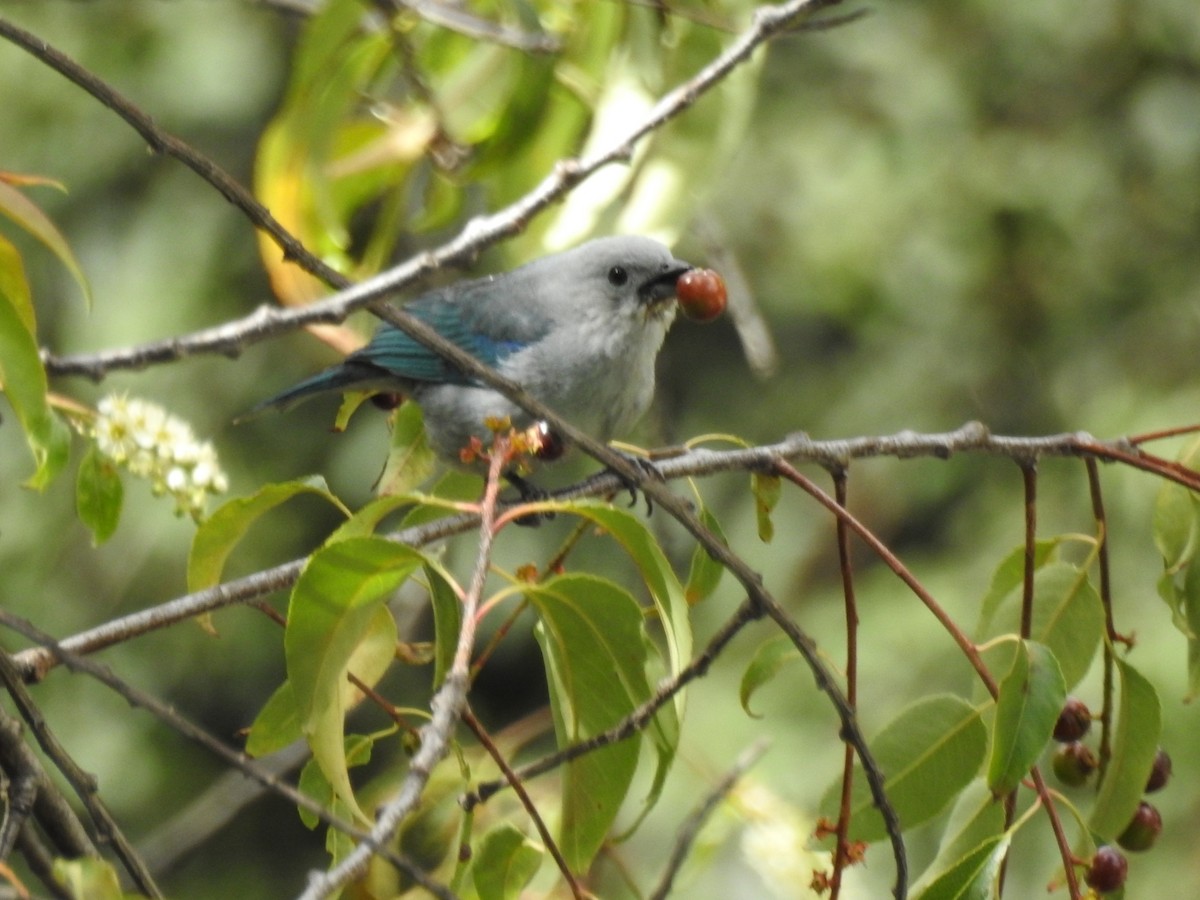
[(705, 572), (277, 724), (1068, 618), (220, 533), (411, 460), (504, 863), (591, 635), (1191, 627), (88, 878), (447, 620), (1031, 697), (767, 490), (1135, 742), (99, 494), (769, 659), (974, 876), (335, 607), (22, 375), (928, 754), (1010, 574), (30, 217), (1176, 525), (975, 818)]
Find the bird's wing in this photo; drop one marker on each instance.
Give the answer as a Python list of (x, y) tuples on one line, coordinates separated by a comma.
[(464, 319)]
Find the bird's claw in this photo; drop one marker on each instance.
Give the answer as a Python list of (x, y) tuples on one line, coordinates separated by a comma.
[(648, 470), (529, 493)]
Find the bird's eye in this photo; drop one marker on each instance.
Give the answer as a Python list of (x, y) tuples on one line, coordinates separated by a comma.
[(617, 276)]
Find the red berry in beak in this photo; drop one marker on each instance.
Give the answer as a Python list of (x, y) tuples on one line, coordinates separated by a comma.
[(701, 294)]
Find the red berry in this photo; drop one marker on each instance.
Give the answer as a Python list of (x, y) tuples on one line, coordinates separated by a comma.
[(1073, 722), (701, 294), (1161, 773), (1073, 764), (1108, 870), (1143, 830)]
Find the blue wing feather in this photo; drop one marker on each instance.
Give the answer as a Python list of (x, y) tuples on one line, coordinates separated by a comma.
[(406, 358)]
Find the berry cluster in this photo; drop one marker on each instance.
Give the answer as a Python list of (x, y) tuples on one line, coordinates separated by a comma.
[(1074, 764)]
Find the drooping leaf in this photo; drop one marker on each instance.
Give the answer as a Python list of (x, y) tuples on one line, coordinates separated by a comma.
[(1135, 742), (705, 572), (99, 494), (23, 376), (1068, 618), (411, 460), (89, 878), (975, 818), (276, 725), (504, 863), (334, 607), (591, 635), (928, 754), (769, 659), (1010, 574), (220, 533), (27, 214), (1031, 697), (447, 620), (766, 490), (974, 876)]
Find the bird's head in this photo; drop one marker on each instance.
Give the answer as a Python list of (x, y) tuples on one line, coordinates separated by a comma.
[(625, 279)]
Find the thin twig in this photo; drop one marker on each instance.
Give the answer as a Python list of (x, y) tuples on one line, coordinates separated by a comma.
[(634, 722), (973, 437), (446, 707), (184, 726), (531, 809), (696, 819), (84, 785), (841, 855), (230, 338)]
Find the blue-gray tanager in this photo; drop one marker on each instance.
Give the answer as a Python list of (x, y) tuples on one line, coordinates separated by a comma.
[(579, 330)]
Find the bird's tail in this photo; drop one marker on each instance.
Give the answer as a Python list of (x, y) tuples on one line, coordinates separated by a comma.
[(338, 378)]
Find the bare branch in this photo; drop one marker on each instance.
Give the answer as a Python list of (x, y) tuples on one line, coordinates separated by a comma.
[(232, 337), (973, 437), (81, 782)]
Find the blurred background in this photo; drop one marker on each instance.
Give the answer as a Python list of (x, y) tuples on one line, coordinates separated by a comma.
[(941, 211)]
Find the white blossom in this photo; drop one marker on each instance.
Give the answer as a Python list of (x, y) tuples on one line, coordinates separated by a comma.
[(153, 444), (775, 844)]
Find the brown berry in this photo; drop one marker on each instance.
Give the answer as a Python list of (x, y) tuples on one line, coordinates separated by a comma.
[(1073, 722), (1161, 773), (1073, 764), (1143, 830), (1107, 871), (387, 401), (701, 294), (547, 444)]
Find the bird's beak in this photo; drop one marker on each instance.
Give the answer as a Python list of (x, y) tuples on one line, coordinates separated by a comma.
[(662, 286)]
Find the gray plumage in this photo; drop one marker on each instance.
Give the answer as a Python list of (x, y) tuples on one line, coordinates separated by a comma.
[(579, 330)]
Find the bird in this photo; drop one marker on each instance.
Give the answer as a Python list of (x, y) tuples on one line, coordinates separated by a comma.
[(579, 330)]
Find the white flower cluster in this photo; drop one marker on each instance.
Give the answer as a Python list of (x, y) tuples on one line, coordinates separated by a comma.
[(775, 841), (153, 444)]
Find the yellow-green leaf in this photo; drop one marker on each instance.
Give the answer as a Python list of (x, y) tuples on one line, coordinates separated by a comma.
[(334, 607)]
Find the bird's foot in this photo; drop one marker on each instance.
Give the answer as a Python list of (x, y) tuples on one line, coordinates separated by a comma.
[(529, 493), (648, 471)]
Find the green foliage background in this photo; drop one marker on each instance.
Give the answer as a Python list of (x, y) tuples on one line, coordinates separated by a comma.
[(946, 211)]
